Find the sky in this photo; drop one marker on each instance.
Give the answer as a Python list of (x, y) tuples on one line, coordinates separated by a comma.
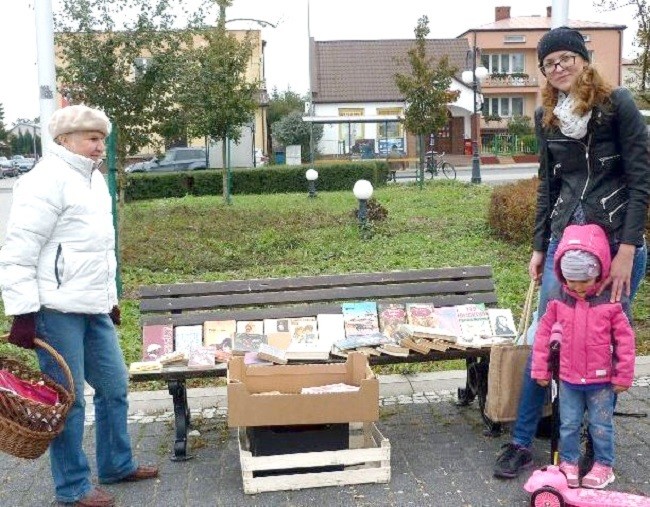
[(286, 49)]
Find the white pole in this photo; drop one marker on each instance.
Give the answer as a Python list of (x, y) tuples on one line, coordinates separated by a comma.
[(559, 13), (46, 71)]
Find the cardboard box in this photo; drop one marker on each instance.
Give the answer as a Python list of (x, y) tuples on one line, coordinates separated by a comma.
[(246, 407)]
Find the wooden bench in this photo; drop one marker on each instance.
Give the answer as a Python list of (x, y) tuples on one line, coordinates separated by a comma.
[(194, 303)]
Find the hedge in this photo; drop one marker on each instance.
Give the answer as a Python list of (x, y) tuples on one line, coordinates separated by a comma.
[(263, 180)]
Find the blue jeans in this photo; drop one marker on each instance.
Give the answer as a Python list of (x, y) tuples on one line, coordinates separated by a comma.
[(533, 396), (89, 345), (599, 404)]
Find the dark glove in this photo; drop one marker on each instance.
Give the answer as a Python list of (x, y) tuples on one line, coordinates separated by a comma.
[(116, 315), (23, 330)]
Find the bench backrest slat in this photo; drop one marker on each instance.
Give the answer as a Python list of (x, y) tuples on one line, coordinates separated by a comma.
[(195, 318), (311, 282), (338, 293), (194, 303)]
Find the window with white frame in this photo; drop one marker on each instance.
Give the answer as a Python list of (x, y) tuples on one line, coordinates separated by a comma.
[(504, 107), (390, 128), (513, 39), (351, 132), (504, 63)]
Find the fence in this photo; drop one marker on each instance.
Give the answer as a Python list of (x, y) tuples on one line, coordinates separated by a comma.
[(508, 144)]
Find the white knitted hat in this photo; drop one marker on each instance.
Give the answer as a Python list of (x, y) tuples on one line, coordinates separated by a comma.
[(78, 118), (579, 265)]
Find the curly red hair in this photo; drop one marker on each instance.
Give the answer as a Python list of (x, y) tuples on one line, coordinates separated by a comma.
[(589, 89)]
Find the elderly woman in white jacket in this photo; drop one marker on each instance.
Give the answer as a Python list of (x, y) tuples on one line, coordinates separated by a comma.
[(57, 275)]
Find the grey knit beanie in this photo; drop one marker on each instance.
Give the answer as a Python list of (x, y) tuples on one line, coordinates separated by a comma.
[(579, 265), (562, 38)]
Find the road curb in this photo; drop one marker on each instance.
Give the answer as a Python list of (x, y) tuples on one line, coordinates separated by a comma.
[(151, 402)]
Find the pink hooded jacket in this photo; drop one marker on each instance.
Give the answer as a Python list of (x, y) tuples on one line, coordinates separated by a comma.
[(597, 339)]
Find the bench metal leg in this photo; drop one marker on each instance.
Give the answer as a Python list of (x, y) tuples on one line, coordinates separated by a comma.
[(466, 395), (477, 387), (181, 419)]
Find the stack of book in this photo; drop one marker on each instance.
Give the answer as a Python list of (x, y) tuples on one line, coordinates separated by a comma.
[(392, 328)]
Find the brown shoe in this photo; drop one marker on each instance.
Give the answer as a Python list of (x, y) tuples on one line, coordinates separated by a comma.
[(97, 497), (142, 473)]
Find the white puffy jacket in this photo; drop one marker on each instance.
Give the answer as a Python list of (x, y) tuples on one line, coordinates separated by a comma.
[(60, 245)]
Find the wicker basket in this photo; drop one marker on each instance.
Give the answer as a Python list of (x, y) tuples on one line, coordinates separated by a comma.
[(27, 427)]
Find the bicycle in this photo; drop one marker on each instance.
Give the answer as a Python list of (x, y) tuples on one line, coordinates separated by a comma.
[(435, 163)]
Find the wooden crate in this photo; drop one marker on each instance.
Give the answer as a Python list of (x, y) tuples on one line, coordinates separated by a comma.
[(366, 461)]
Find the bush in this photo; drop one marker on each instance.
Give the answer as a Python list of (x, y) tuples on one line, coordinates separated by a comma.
[(515, 203), (263, 180), (511, 211)]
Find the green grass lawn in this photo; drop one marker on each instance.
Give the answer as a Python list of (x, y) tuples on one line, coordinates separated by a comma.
[(203, 239)]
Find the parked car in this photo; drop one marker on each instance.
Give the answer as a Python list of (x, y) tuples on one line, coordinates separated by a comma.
[(140, 167), (7, 169), (176, 159), (23, 164)]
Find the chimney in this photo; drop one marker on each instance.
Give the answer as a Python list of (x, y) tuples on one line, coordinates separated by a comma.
[(501, 13), (549, 11)]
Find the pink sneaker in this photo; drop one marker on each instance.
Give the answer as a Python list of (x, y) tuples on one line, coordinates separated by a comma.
[(598, 477), (571, 473)]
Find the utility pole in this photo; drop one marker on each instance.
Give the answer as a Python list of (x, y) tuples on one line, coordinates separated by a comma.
[(559, 13), (46, 71)]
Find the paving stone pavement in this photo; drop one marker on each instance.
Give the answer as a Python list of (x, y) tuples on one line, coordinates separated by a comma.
[(440, 458)]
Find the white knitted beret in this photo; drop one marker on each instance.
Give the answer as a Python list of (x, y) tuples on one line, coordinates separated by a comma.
[(579, 265), (78, 118)]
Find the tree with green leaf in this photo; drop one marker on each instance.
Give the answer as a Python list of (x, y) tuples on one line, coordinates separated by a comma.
[(280, 105), (641, 9), (131, 69), (217, 99), (291, 129), (426, 90), (3, 131)]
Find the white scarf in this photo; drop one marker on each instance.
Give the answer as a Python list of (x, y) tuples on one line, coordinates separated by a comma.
[(571, 124)]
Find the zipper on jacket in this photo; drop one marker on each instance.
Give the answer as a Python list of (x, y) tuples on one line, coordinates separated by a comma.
[(557, 203), (604, 200), (605, 159), (582, 195), (555, 168), (615, 210), (59, 250)]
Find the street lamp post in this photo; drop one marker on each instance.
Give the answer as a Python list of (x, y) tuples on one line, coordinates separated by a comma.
[(363, 191), (312, 176), (474, 77)]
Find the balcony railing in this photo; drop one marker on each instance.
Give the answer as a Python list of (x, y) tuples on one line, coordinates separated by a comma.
[(494, 80)]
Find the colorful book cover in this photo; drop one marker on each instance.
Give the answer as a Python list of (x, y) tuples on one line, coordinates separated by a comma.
[(247, 342), (202, 357), (157, 340), (187, 338), (391, 315), (420, 314), (475, 325), (447, 320), (304, 331), (502, 322), (329, 328), (277, 333), (360, 318), (250, 326), (220, 333)]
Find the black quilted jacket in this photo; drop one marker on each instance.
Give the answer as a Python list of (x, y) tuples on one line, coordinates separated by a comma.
[(608, 171)]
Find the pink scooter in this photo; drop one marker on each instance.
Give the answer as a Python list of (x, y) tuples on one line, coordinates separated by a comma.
[(548, 486)]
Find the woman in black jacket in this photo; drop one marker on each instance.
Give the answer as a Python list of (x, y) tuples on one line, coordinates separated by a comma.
[(594, 168)]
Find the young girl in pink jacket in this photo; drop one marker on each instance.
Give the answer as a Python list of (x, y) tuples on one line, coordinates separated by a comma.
[(596, 352)]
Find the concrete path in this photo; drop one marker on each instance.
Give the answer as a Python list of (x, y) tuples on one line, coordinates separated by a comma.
[(439, 455)]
